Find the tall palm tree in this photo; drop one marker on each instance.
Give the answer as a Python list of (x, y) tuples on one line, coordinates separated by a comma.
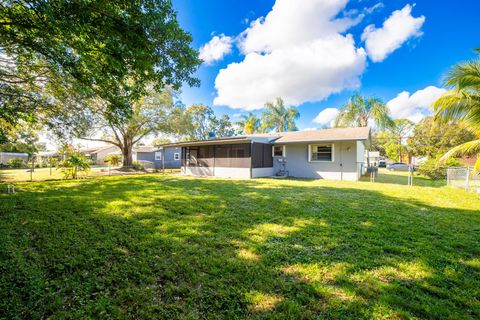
[(359, 111), (462, 103), (249, 123), (279, 118)]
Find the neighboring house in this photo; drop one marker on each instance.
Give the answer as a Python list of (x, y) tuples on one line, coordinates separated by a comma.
[(374, 157), (6, 156), (97, 154), (160, 157), (150, 157), (334, 154)]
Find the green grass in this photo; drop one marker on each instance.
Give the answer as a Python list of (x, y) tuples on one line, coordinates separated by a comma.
[(169, 247)]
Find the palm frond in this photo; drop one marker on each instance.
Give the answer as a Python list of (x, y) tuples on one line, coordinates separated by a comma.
[(457, 105), (465, 149), (464, 76), (380, 113)]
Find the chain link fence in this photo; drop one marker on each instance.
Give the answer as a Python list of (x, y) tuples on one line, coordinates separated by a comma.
[(464, 178)]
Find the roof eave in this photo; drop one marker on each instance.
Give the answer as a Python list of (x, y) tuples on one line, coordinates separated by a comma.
[(206, 142), (319, 140)]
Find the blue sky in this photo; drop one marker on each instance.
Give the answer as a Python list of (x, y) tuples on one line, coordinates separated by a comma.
[(396, 50)]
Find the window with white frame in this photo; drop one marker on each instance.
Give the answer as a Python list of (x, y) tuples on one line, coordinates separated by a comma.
[(176, 156), (278, 151), (158, 155), (320, 152)]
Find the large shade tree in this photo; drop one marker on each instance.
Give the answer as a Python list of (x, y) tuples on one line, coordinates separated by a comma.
[(433, 139), (462, 103), (90, 48), (277, 117), (361, 111), (199, 122), (150, 115)]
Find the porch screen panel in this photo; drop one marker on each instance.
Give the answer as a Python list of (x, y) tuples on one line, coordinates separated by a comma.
[(205, 156), (240, 155), (222, 155)]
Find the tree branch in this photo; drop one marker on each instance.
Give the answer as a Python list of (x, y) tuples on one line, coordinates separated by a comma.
[(102, 140)]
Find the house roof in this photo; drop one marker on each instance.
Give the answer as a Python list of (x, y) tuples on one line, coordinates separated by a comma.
[(145, 149), (335, 134), (321, 135), (95, 149)]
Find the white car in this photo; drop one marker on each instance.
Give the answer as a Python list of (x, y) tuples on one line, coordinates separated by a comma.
[(399, 166)]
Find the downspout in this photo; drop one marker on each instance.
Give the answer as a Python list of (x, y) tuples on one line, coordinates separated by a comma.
[(341, 161), (251, 159), (214, 164)]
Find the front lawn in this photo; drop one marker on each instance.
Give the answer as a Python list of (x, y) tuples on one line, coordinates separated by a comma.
[(168, 247)]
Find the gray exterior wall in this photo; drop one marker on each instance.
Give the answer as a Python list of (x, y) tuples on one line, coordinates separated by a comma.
[(168, 158), (346, 164)]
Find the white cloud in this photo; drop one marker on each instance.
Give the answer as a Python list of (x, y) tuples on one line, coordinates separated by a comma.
[(416, 106), (216, 49), (372, 9), (306, 59), (294, 22), (326, 116), (397, 29)]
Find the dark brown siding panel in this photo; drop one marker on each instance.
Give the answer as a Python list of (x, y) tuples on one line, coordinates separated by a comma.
[(262, 155), (257, 155), (267, 156)]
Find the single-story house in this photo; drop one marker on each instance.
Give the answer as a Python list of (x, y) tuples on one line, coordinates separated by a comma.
[(161, 157), (97, 155), (150, 157), (6, 156), (334, 154)]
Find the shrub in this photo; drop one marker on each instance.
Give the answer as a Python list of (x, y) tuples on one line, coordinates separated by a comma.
[(74, 163), (435, 170), (114, 160), (137, 166), (15, 163)]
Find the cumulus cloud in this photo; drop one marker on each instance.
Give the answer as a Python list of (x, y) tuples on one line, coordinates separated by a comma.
[(326, 116), (306, 59), (416, 106), (398, 28), (216, 49)]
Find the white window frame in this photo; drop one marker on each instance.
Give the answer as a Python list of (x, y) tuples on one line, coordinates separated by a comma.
[(284, 152), (321, 144), (158, 155), (176, 156)]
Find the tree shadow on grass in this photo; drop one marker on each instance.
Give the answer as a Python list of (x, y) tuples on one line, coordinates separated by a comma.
[(169, 247)]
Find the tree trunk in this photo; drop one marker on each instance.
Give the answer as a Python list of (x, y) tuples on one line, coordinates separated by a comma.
[(127, 155), (127, 147)]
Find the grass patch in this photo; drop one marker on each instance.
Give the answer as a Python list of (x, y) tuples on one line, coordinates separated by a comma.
[(156, 246)]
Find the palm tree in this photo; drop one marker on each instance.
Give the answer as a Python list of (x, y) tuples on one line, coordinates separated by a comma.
[(359, 111), (279, 118), (462, 103), (249, 124)]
